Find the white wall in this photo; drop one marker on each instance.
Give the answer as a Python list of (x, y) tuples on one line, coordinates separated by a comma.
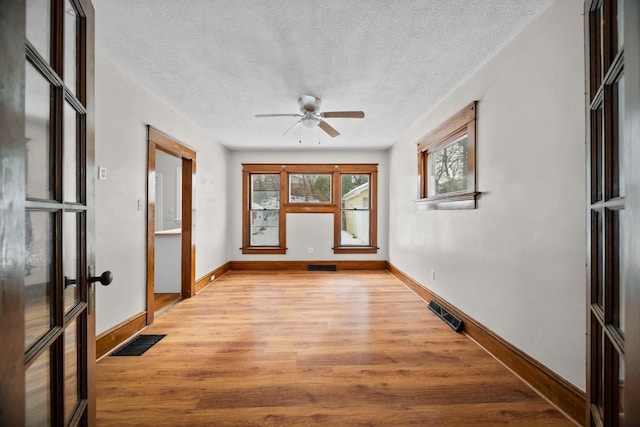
[(306, 230), (167, 165), (517, 263), (123, 109)]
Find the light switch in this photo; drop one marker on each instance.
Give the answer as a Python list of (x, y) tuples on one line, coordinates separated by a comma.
[(102, 173)]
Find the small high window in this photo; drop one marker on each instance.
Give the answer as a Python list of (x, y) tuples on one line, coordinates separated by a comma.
[(447, 163)]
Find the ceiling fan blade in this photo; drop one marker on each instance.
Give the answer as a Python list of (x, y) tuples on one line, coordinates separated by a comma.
[(343, 114), (327, 128), (293, 128), (278, 115)]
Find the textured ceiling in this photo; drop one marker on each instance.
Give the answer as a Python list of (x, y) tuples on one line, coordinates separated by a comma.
[(222, 62)]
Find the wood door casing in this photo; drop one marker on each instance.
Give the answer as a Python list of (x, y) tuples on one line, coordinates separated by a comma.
[(157, 140)]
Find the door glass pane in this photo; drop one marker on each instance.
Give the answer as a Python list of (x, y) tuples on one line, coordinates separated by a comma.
[(596, 155), (70, 151), (618, 230), (621, 371), (355, 228), (39, 26), (70, 259), (597, 269), (71, 386), (38, 391), (38, 275), (618, 154), (620, 23), (70, 46), (597, 384), (595, 49), (265, 228), (37, 104)]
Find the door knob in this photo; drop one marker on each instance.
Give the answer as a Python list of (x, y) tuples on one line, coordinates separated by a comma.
[(105, 278)]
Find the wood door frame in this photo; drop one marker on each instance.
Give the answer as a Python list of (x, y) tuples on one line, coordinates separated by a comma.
[(157, 140)]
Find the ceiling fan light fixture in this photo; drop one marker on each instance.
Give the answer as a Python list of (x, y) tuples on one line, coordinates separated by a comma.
[(310, 121)]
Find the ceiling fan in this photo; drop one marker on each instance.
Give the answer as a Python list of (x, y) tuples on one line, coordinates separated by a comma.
[(310, 116)]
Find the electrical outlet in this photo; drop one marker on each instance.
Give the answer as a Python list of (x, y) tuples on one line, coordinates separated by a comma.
[(309, 250), (433, 275), (102, 173), (140, 204)]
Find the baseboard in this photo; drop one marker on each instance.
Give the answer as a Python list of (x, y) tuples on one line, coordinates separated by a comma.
[(566, 396), (206, 279), (302, 265), (113, 337)]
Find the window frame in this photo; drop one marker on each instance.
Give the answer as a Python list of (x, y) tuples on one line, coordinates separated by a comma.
[(334, 207), (450, 131)]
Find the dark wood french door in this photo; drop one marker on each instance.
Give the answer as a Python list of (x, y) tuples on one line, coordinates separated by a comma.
[(613, 214), (47, 214)]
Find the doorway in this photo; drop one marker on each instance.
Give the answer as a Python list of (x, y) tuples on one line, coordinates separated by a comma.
[(170, 248)]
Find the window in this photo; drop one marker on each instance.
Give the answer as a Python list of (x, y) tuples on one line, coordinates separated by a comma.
[(354, 217), (447, 163), (348, 191), (309, 188)]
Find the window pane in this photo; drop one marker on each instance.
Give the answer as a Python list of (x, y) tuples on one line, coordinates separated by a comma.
[(70, 259), (618, 153), (39, 26), (355, 228), (265, 191), (448, 168), (70, 165), (309, 188), (38, 275), (265, 227), (38, 391), (70, 46), (355, 191), (71, 386), (37, 133)]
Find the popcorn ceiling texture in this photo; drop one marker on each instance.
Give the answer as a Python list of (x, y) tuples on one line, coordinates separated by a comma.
[(221, 62)]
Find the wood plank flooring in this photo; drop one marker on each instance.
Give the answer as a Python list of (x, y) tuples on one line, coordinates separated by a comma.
[(312, 348)]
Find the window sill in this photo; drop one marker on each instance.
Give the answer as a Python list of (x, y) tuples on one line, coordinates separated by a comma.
[(262, 250), (355, 250), (449, 201)]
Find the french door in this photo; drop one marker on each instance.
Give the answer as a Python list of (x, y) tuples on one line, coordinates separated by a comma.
[(613, 213), (49, 219)]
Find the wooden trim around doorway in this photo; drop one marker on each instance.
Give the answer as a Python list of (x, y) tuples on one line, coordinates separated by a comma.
[(564, 395), (161, 141)]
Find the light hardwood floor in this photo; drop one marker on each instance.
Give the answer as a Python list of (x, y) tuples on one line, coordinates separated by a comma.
[(312, 348)]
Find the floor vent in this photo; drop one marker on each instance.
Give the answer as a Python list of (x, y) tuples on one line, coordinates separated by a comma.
[(321, 267), (443, 313)]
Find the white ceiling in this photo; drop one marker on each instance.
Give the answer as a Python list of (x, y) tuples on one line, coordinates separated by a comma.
[(221, 62)]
